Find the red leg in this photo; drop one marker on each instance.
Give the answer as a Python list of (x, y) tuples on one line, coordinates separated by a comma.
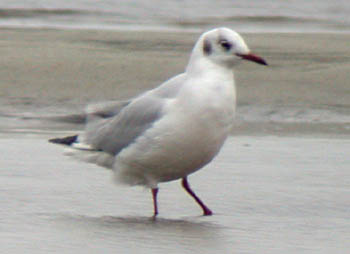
[(206, 210), (155, 205)]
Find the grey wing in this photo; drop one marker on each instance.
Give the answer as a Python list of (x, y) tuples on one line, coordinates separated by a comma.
[(113, 134), (112, 130)]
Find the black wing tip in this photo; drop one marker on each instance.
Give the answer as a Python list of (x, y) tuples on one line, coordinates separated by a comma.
[(64, 141)]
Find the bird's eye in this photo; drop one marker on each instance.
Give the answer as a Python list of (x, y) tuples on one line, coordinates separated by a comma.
[(226, 45)]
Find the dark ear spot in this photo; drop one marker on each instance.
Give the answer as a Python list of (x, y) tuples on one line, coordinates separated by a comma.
[(207, 48)]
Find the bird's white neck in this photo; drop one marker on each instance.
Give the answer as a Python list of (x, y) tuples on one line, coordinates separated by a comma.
[(201, 66)]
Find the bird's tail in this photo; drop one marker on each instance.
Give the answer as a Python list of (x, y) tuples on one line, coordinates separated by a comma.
[(64, 141), (84, 152)]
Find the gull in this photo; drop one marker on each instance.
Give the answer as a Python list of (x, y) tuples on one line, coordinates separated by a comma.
[(173, 130)]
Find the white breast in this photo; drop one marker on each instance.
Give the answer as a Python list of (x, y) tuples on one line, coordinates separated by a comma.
[(194, 127)]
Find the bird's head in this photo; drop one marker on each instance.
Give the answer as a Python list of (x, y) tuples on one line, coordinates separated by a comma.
[(225, 47)]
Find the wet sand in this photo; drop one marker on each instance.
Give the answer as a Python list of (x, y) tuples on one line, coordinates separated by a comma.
[(268, 194)]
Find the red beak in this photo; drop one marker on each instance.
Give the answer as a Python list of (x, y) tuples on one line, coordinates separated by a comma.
[(253, 58)]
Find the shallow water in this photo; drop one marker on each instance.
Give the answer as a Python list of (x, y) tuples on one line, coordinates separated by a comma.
[(269, 195), (255, 16)]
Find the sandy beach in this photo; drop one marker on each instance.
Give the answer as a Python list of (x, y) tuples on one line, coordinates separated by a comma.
[(57, 65), (283, 175), (54, 71)]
